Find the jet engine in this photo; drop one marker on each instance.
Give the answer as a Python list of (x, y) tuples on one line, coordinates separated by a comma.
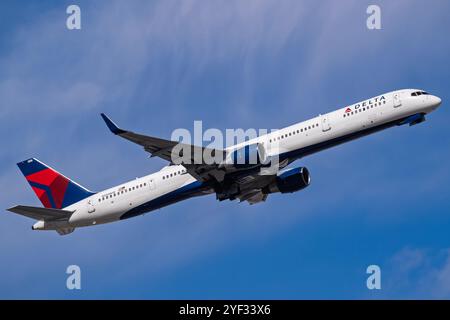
[(289, 181)]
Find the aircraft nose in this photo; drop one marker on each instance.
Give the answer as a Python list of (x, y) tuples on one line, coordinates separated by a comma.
[(436, 101)]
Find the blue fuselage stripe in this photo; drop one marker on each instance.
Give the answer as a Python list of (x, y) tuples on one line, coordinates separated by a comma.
[(179, 194)]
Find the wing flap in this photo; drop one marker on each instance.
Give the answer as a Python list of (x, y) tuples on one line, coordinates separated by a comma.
[(64, 231), (39, 213), (253, 197)]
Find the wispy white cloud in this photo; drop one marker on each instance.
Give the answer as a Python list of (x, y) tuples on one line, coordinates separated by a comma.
[(416, 273)]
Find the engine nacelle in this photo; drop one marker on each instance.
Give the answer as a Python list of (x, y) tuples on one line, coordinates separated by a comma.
[(290, 181)]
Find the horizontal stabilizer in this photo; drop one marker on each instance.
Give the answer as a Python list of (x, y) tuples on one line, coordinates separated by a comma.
[(39, 213)]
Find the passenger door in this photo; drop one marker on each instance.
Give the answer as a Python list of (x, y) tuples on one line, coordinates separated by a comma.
[(397, 100), (325, 123), (90, 206), (152, 184)]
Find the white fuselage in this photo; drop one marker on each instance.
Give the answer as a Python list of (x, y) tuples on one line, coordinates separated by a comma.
[(162, 188)]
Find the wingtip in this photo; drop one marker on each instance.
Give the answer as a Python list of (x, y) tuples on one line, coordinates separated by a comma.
[(12, 209), (111, 125)]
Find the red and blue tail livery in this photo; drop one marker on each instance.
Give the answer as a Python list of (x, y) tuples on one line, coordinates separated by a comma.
[(52, 188)]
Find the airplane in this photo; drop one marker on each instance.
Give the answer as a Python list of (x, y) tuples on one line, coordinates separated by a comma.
[(68, 205)]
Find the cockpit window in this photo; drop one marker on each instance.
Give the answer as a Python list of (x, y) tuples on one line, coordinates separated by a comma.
[(418, 93)]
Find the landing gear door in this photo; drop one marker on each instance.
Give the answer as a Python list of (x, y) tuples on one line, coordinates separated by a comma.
[(325, 123), (397, 100)]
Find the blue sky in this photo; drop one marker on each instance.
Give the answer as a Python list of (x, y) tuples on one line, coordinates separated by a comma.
[(155, 66)]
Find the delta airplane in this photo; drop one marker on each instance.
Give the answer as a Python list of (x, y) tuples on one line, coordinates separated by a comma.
[(68, 205)]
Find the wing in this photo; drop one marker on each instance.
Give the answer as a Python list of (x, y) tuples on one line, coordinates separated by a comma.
[(175, 151), (39, 213), (244, 184)]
